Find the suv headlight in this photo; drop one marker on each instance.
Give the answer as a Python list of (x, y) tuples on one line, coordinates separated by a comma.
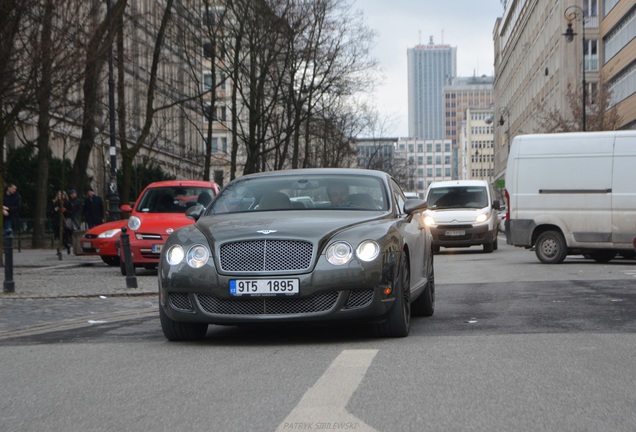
[(482, 218), (429, 221)]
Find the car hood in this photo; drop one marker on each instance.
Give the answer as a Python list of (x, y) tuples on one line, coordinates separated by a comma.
[(98, 229), (455, 216), (162, 221), (286, 225)]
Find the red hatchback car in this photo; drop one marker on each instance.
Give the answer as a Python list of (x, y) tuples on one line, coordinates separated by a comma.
[(160, 210), (100, 240)]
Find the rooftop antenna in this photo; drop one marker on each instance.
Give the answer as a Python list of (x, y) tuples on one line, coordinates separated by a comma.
[(442, 36), (420, 37)]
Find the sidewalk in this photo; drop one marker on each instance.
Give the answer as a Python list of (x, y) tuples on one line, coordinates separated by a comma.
[(40, 273)]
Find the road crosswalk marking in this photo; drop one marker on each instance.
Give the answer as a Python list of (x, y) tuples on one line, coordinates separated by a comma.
[(323, 405)]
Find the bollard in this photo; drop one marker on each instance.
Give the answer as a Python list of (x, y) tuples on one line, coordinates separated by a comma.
[(9, 284), (131, 279)]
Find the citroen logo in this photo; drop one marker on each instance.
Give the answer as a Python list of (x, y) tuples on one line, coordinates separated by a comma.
[(266, 231), (169, 230)]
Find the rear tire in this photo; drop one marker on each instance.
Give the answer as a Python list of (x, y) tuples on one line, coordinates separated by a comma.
[(177, 331), (397, 322), (551, 248)]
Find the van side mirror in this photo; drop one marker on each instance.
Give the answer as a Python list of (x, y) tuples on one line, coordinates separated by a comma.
[(496, 205)]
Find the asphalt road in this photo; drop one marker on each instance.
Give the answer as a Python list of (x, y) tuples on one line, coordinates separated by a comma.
[(513, 345)]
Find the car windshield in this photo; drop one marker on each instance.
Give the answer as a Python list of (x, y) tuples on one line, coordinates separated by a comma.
[(174, 199), (302, 192), (457, 197)]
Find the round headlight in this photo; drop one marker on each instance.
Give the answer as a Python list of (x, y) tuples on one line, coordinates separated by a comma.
[(109, 233), (368, 250), (175, 255), (429, 221), (482, 218), (198, 255), (339, 253), (134, 223)]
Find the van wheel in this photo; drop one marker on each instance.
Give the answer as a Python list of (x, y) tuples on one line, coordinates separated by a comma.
[(550, 247), (603, 256), (495, 245), (489, 247)]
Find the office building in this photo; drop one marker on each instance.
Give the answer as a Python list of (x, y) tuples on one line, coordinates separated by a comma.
[(430, 68)]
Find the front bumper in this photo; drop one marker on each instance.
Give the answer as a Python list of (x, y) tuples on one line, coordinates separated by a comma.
[(326, 294), (460, 235)]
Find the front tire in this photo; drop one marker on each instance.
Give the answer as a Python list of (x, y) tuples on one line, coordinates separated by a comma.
[(551, 248), (178, 331), (112, 261), (397, 322)]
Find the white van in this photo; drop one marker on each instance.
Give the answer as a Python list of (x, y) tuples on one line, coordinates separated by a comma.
[(462, 213), (572, 193)]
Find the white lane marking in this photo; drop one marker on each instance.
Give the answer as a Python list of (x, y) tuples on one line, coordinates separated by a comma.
[(323, 405)]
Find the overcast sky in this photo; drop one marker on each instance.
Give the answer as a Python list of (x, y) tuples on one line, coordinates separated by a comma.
[(402, 24)]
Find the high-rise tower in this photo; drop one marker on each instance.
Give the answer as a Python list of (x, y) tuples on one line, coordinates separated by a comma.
[(430, 68)]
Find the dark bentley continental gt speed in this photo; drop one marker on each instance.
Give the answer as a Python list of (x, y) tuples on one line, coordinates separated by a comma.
[(299, 246)]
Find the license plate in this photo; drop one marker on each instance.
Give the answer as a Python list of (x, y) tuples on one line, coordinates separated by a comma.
[(262, 287), (86, 245), (455, 232), (156, 248)]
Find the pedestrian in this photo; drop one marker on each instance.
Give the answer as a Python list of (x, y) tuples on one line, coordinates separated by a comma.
[(77, 207), (61, 220), (11, 205), (93, 209)]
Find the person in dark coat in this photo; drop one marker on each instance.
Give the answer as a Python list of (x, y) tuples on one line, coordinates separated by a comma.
[(11, 204), (77, 208), (61, 221), (93, 209)]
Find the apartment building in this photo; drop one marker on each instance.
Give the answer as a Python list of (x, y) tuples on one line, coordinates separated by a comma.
[(537, 64), (462, 94)]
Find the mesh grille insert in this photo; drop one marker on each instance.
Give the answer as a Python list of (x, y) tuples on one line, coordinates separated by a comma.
[(269, 305), (359, 298), (266, 255), (180, 301)]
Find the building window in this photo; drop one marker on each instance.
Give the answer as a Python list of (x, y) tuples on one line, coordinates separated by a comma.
[(591, 55)]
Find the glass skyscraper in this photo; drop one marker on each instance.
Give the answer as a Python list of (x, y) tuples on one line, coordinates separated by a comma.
[(430, 68)]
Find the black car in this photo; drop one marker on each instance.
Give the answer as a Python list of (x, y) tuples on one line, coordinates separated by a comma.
[(300, 245)]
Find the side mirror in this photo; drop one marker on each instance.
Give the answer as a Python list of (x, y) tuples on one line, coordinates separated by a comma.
[(414, 205), (496, 205), (195, 212), (126, 208)]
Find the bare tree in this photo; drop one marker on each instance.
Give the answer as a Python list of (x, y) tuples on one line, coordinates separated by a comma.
[(600, 114), (98, 40)]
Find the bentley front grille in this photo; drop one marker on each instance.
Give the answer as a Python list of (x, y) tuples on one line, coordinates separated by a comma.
[(266, 255), (268, 305)]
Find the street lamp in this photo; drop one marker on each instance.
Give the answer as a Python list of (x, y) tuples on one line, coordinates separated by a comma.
[(113, 209), (571, 14)]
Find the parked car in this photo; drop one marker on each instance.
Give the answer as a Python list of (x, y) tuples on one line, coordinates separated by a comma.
[(160, 210), (254, 257), (101, 239)]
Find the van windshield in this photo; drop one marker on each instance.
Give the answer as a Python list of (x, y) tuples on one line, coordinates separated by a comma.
[(457, 197)]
